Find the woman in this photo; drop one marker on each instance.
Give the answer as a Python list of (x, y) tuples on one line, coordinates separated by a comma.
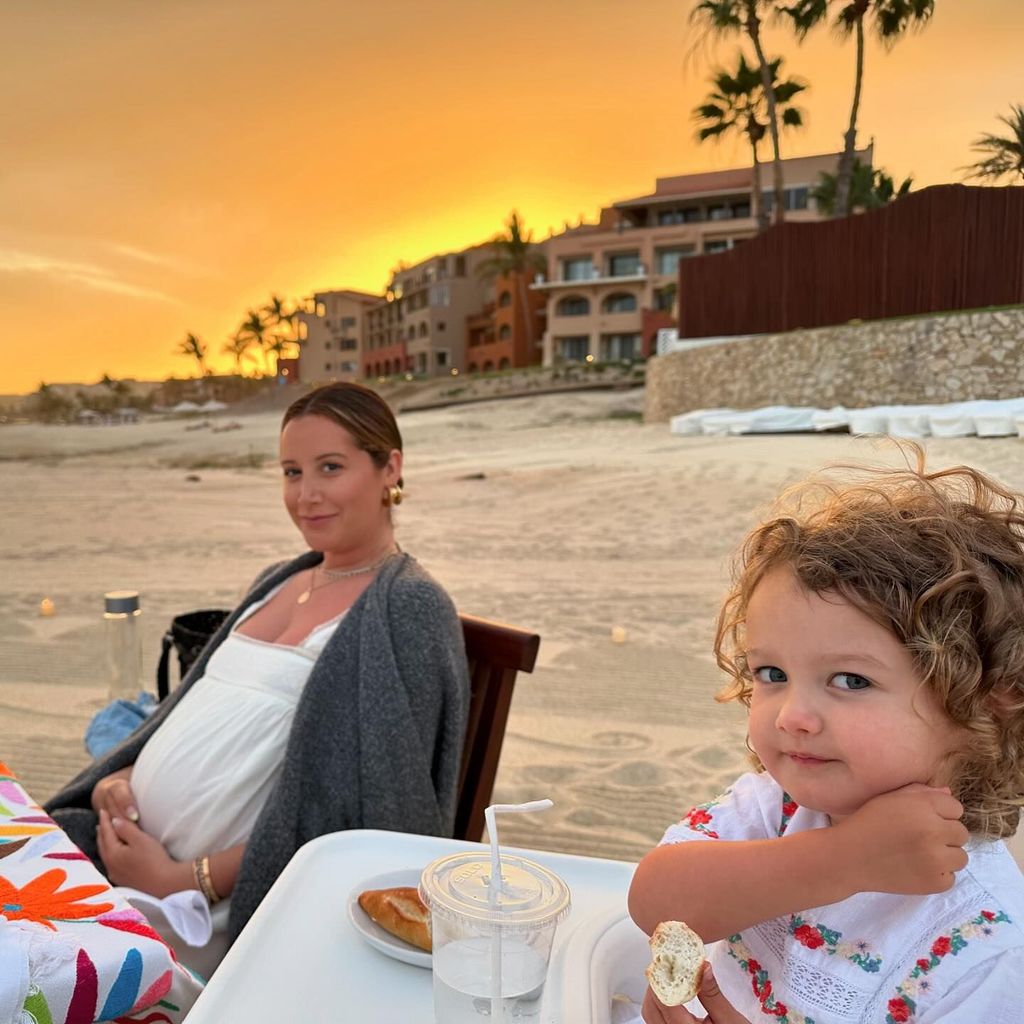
[(335, 696)]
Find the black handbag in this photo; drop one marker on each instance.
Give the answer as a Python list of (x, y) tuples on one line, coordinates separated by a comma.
[(188, 635)]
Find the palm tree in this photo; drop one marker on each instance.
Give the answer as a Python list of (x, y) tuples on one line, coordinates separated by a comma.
[(194, 349), (869, 189), (254, 327), (726, 17), (1002, 155), (738, 103), (238, 345), (515, 256), (891, 20)]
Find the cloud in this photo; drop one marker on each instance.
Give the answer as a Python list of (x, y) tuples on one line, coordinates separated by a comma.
[(133, 252), (88, 275)]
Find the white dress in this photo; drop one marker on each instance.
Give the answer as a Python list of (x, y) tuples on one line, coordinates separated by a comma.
[(875, 958), (202, 779)]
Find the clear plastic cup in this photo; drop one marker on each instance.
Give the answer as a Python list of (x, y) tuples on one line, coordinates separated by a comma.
[(490, 955)]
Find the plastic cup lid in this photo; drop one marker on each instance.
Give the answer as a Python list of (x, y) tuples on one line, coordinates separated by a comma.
[(457, 888), (121, 601)]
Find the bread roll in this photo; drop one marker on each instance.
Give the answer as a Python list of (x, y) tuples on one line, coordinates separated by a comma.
[(677, 963), (401, 912)]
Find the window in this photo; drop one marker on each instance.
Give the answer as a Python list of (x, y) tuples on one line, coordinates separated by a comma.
[(327, 366), (741, 209), (573, 305), (504, 364), (488, 366), (471, 368), (347, 344), (717, 245), (620, 302), (440, 295), (424, 330), (620, 346), (327, 345), (666, 261), (573, 349), (505, 299), (670, 217), (796, 198), (624, 264), (348, 367), (440, 325), (348, 322), (665, 298), (460, 266), (579, 268), (442, 358), (504, 332), (720, 213)]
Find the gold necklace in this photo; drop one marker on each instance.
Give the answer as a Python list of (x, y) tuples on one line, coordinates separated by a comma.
[(333, 575)]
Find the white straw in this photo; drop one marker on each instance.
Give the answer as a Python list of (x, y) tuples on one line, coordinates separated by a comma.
[(495, 887)]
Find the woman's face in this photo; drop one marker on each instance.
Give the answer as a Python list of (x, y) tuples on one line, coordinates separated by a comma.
[(333, 490)]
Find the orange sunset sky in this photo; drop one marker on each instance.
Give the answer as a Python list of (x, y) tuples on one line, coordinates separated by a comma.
[(168, 163)]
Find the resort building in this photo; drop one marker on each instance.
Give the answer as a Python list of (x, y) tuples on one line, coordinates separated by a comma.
[(330, 335), (509, 331), (611, 285), (420, 326)]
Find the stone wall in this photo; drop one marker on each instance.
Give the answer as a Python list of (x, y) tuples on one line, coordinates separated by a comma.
[(942, 358)]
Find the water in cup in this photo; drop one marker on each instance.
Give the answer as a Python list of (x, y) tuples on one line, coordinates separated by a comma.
[(462, 985), (491, 942)]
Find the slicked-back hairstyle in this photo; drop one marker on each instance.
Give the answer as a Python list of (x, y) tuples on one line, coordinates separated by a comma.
[(938, 559), (361, 411)]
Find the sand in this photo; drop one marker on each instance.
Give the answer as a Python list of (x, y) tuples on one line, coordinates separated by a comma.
[(584, 519)]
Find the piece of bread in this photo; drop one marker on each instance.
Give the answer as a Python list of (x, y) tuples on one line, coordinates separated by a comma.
[(677, 965), (401, 912)]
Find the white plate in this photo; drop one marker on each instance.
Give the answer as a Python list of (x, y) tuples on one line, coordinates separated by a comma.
[(372, 932)]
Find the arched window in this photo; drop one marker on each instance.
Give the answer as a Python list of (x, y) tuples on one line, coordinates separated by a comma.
[(620, 302), (424, 329), (471, 368), (504, 364), (504, 332), (505, 299), (573, 305), (488, 366)]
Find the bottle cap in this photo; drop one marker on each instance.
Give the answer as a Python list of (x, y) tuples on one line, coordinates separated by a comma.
[(121, 601)]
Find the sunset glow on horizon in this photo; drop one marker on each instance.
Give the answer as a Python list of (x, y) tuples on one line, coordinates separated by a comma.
[(168, 166)]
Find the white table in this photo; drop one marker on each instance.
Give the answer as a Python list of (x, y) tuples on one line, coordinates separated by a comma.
[(300, 958)]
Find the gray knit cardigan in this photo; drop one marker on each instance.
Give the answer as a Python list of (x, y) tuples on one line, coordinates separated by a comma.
[(376, 741)]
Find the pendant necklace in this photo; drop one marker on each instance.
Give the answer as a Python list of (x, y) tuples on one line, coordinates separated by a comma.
[(333, 575)]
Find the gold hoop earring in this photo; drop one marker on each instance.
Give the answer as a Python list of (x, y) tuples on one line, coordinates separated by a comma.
[(393, 495)]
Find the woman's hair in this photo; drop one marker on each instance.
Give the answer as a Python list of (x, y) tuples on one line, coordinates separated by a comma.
[(936, 558), (361, 411)]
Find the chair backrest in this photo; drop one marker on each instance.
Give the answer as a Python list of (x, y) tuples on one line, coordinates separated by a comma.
[(495, 653)]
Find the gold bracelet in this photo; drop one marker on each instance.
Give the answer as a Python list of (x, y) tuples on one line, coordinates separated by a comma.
[(204, 880)]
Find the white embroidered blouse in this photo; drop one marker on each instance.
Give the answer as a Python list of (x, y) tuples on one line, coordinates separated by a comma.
[(955, 957)]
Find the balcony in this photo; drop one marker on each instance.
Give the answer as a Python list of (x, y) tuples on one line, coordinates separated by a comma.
[(594, 276)]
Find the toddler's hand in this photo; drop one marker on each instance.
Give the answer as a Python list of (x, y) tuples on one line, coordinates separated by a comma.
[(720, 1010), (909, 841)]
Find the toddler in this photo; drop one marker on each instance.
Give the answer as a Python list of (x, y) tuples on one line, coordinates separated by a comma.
[(875, 632)]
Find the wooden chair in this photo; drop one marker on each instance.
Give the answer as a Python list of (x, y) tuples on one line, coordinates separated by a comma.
[(495, 653)]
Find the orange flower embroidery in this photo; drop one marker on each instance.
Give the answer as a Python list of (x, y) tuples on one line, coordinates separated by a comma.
[(40, 901)]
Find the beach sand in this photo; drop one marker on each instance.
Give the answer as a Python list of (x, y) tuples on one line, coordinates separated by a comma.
[(562, 514)]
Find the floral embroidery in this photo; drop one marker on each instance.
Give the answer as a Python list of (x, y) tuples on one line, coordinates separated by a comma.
[(815, 936), (904, 1005), (39, 900), (698, 818), (762, 986), (789, 806)]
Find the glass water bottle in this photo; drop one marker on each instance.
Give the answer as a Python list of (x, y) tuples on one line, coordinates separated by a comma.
[(124, 643)]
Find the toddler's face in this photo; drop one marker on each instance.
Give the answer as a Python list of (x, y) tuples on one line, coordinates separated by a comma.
[(837, 713)]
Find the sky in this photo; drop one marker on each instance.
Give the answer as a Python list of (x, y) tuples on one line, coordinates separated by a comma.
[(167, 164)]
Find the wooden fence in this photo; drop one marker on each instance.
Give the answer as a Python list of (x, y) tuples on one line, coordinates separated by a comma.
[(943, 248)]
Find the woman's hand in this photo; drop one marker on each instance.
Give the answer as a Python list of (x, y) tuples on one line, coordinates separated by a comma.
[(114, 795), (137, 860), (720, 1010)]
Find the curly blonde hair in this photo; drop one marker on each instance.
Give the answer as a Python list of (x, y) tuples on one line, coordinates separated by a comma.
[(938, 559)]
